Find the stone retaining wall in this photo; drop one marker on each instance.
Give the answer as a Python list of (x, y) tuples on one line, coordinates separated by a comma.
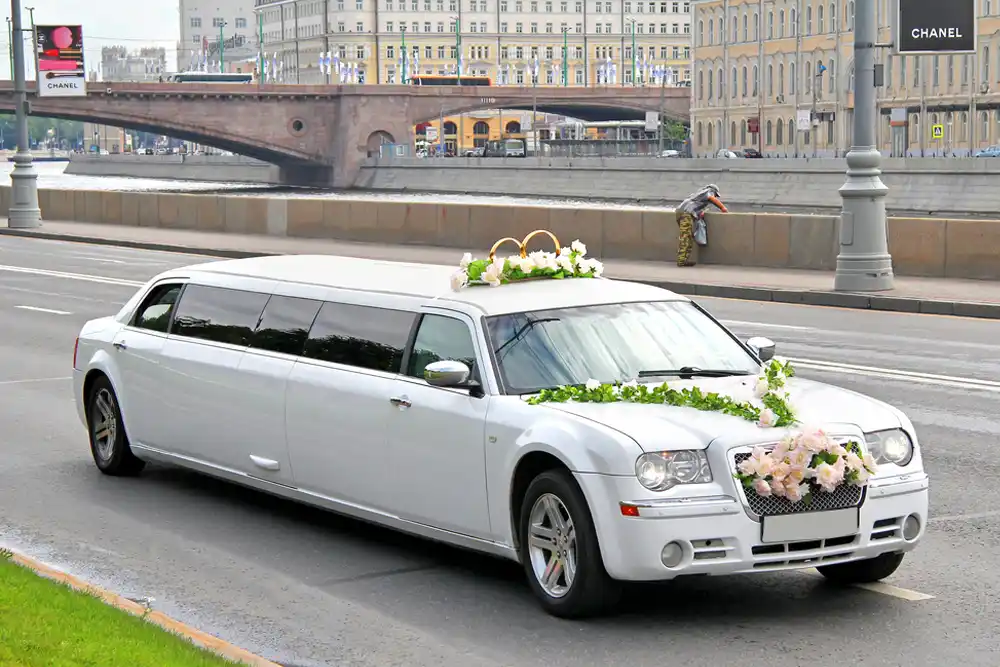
[(920, 246)]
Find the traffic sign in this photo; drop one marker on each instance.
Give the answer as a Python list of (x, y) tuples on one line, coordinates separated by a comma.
[(933, 26), (937, 131)]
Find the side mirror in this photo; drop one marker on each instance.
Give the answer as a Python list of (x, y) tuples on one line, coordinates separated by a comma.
[(452, 374), (763, 347)]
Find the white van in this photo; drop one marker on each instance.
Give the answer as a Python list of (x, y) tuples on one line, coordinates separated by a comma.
[(372, 389)]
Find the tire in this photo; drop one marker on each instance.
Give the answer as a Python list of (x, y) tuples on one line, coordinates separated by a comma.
[(863, 571), (590, 591), (108, 442)]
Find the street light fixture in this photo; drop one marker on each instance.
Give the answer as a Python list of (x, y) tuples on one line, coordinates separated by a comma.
[(634, 64), (222, 47), (24, 211)]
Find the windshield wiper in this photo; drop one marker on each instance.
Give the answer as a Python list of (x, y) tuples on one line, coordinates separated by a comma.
[(693, 371)]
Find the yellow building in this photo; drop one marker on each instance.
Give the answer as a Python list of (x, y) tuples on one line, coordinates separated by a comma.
[(788, 65), (500, 39), (471, 130)]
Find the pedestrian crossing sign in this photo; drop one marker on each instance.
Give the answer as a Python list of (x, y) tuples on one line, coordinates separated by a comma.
[(937, 131)]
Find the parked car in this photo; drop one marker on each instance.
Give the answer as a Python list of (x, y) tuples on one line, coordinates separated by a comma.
[(751, 153), (727, 154), (372, 389), (992, 151)]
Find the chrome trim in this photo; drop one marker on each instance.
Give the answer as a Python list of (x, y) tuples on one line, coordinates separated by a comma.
[(686, 508)]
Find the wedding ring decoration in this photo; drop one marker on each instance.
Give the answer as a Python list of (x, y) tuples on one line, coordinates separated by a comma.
[(566, 262)]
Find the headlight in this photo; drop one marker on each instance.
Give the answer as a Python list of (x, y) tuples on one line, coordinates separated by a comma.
[(660, 471), (893, 447)]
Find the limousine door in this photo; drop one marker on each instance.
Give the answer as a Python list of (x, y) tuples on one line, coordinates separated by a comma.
[(437, 436)]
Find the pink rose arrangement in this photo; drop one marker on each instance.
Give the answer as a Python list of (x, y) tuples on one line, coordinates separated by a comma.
[(803, 463)]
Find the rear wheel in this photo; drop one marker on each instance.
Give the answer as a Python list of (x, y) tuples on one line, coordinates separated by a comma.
[(865, 571), (560, 551), (108, 442)]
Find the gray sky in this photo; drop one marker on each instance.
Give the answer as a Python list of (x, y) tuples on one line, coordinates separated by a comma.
[(129, 23)]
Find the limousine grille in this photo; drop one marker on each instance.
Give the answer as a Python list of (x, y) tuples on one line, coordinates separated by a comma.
[(843, 497)]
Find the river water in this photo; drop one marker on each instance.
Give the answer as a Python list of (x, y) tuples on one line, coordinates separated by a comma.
[(51, 177)]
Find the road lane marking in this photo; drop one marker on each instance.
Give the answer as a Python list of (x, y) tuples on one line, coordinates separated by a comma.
[(882, 588), (85, 277), (762, 325), (44, 310), (975, 516), (35, 380), (892, 374)]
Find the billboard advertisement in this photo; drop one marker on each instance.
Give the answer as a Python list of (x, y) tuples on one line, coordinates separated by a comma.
[(59, 54)]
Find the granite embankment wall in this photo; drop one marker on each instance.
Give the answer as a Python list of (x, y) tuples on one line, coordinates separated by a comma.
[(210, 168), (939, 187), (920, 247)]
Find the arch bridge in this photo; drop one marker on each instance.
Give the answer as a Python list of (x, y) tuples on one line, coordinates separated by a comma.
[(319, 135)]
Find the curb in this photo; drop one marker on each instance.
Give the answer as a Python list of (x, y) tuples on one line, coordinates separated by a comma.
[(197, 637), (853, 300)]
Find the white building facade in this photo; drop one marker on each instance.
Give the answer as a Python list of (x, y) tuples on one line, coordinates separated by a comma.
[(515, 42), (207, 23)]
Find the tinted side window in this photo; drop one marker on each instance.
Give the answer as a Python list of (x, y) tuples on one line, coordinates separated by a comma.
[(154, 313), (218, 314), (360, 336), (441, 338), (285, 324)]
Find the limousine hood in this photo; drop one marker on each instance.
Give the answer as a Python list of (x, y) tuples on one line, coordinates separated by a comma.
[(661, 427)]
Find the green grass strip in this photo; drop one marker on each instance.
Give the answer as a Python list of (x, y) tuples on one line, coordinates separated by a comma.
[(48, 624)]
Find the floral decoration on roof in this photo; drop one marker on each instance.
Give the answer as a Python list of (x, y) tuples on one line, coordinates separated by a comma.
[(566, 262)]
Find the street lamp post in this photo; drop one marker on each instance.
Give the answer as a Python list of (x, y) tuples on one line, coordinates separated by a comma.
[(402, 35), (565, 67), (24, 211), (222, 48), (458, 48), (632, 22), (10, 47), (864, 263)]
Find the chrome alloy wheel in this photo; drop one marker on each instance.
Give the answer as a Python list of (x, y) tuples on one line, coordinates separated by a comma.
[(104, 424), (552, 545)]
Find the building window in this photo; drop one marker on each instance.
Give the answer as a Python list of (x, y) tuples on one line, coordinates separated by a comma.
[(770, 81), (711, 85), (791, 78), (833, 18), (809, 20), (832, 77), (767, 136), (780, 136), (218, 22), (195, 22), (819, 18), (770, 25), (781, 24)]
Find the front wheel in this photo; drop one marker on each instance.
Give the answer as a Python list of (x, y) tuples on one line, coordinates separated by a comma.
[(108, 442), (865, 571), (560, 551)]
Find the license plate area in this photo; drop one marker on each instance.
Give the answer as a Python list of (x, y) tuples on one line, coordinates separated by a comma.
[(809, 525)]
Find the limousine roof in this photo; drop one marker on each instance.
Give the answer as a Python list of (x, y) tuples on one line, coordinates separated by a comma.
[(431, 281)]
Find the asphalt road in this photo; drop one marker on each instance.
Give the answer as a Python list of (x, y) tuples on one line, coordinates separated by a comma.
[(304, 587)]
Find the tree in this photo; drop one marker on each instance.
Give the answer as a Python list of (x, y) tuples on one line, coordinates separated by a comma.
[(66, 132)]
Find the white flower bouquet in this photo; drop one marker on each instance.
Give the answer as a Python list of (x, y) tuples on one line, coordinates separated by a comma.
[(565, 262), (805, 463)]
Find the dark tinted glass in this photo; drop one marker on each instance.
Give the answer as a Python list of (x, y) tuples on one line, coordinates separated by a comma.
[(441, 339), (360, 336), (154, 313), (285, 324), (217, 314)]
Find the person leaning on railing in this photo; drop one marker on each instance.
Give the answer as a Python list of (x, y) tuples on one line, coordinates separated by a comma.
[(689, 212)]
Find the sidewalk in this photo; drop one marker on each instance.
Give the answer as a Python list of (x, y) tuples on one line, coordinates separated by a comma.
[(940, 296)]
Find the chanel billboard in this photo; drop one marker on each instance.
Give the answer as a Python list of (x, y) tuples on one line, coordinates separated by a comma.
[(936, 26)]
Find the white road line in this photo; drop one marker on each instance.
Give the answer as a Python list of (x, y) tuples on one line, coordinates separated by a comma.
[(762, 325), (34, 380), (44, 310), (892, 374), (975, 516), (72, 276), (884, 589)]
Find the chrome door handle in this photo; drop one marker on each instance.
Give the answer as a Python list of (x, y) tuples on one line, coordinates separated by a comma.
[(120, 344), (400, 401)]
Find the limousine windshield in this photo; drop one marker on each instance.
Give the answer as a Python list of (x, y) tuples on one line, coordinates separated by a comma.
[(610, 343)]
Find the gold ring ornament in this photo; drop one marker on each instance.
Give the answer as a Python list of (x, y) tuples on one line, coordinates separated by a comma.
[(566, 262)]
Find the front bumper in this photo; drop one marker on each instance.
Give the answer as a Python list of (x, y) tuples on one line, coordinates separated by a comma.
[(719, 537)]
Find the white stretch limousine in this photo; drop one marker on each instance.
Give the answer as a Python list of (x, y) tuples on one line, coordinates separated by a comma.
[(597, 431)]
